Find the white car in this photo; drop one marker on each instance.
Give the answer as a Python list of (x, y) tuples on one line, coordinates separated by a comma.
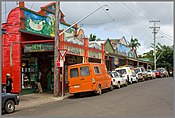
[(128, 72), (117, 79), (151, 74)]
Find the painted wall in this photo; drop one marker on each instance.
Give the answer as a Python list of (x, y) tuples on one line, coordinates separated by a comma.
[(124, 50), (12, 35)]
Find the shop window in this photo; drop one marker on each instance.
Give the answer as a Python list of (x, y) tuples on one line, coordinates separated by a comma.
[(74, 72), (84, 71), (97, 70), (29, 72)]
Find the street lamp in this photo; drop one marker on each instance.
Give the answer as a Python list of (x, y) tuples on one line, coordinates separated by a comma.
[(107, 9)]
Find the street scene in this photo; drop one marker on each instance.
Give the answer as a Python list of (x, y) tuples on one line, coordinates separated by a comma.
[(95, 58), (149, 98)]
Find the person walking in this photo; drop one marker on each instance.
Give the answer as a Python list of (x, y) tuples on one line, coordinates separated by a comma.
[(9, 83), (40, 90)]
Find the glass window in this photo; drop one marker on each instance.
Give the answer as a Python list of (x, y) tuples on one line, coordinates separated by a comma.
[(74, 72), (84, 71), (97, 70), (115, 74), (122, 71)]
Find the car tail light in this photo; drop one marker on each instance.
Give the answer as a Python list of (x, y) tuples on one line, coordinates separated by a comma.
[(93, 80)]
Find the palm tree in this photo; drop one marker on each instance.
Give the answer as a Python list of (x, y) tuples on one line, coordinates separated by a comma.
[(92, 37), (134, 44)]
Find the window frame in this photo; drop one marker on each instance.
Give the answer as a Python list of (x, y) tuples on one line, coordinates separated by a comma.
[(81, 71), (77, 73), (98, 69)]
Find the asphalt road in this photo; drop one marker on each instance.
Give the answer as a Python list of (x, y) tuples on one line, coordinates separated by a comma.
[(149, 98)]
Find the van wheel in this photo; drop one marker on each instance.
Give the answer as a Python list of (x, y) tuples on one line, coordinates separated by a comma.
[(111, 87), (99, 91), (76, 95)]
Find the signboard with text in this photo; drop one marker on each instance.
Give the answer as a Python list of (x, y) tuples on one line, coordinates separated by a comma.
[(38, 47)]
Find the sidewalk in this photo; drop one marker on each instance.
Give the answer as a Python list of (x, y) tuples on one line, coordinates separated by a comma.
[(35, 99)]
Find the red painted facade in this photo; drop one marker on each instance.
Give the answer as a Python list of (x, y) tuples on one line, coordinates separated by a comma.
[(15, 39)]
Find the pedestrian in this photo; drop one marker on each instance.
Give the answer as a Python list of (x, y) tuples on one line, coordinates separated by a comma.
[(40, 90), (9, 83)]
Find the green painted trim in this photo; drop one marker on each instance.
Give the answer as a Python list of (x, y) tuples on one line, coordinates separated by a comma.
[(35, 33), (28, 91)]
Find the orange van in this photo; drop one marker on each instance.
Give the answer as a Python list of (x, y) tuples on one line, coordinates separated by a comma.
[(86, 77)]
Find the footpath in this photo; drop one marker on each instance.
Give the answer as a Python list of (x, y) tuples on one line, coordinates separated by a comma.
[(35, 99)]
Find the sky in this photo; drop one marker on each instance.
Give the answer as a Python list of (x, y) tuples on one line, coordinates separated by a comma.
[(122, 19)]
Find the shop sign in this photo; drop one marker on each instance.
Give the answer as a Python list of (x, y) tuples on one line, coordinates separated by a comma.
[(94, 54), (38, 47), (74, 50)]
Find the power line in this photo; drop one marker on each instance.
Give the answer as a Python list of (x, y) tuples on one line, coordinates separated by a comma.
[(106, 12), (32, 5), (166, 34)]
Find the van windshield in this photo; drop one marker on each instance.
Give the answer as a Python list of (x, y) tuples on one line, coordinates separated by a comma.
[(74, 72), (122, 71), (84, 71)]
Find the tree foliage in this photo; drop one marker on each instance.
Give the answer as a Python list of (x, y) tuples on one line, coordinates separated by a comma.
[(134, 44), (92, 37)]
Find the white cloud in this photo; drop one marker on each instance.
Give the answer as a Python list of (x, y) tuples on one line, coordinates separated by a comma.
[(131, 18)]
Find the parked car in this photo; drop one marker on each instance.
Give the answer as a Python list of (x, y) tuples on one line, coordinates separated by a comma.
[(117, 79), (87, 77), (164, 71), (158, 73), (139, 74), (128, 72), (9, 101), (144, 73), (151, 74)]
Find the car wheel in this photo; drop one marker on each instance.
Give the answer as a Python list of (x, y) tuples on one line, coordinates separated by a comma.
[(126, 83), (9, 106), (111, 87), (137, 80), (131, 81), (118, 85)]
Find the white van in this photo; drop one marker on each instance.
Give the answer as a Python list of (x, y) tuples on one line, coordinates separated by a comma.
[(128, 72)]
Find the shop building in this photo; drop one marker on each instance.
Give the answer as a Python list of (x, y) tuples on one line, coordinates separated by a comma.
[(28, 47)]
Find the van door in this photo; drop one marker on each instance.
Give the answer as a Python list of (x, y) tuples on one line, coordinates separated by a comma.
[(85, 78), (74, 80)]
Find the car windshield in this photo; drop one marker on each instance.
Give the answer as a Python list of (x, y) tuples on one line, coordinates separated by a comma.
[(148, 70), (114, 74), (142, 69), (154, 70), (136, 70), (121, 71)]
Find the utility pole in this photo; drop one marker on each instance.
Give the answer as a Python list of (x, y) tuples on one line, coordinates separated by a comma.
[(154, 31), (56, 47)]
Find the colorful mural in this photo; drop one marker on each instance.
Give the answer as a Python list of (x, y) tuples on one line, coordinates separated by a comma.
[(39, 24), (124, 50)]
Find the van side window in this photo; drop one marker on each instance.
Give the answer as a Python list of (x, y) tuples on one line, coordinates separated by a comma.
[(97, 70), (74, 72), (84, 71)]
